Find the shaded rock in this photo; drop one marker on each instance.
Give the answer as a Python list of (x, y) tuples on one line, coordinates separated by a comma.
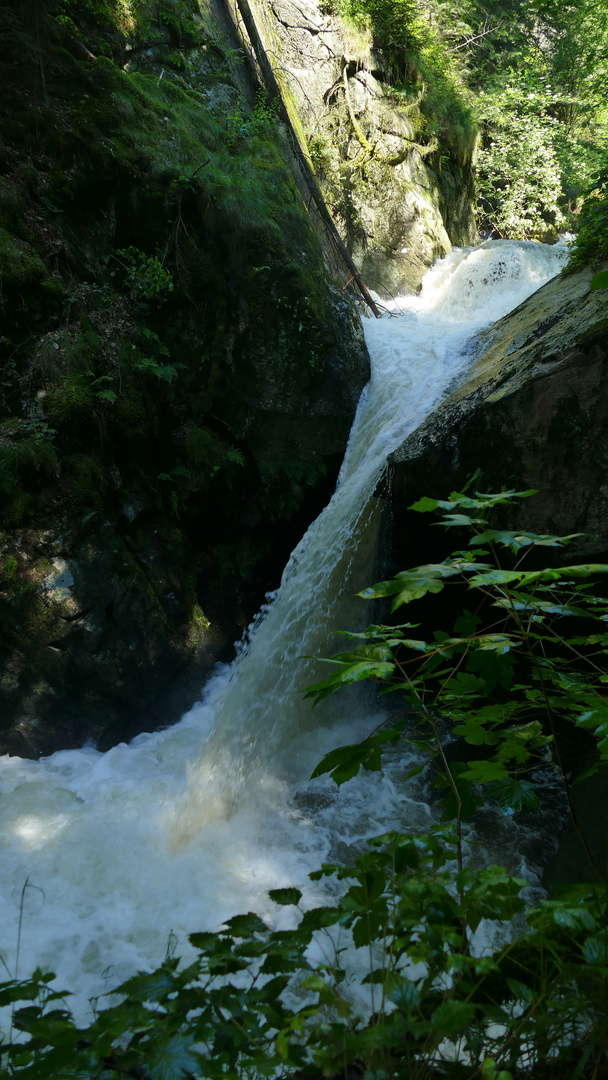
[(179, 375), (531, 413)]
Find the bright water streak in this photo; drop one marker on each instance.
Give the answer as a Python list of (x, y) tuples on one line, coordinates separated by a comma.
[(183, 828)]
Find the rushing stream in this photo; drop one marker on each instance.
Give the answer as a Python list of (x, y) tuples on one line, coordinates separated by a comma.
[(185, 827)]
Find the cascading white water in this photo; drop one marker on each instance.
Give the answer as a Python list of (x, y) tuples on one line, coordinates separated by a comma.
[(183, 828)]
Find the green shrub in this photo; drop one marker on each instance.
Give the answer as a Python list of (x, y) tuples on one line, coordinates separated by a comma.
[(144, 274), (519, 177), (591, 243)]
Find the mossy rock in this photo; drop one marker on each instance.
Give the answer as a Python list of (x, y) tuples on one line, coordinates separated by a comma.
[(71, 410), (25, 278)]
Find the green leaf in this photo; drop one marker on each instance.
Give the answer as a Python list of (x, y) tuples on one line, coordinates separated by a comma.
[(402, 992), (424, 505), (520, 741), (476, 734), (452, 1018), (345, 762), (469, 802), (490, 660), (13, 991), (462, 685), (417, 769), (245, 925), (483, 772), (154, 986), (529, 577), (235, 456), (520, 991), (285, 897), (481, 503), (599, 281), (460, 521), (320, 917), (172, 1058), (351, 671), (515, 541), (283, 1044), (466, 624), (411, 585), (574, 918), (511, 795), (595, 950), (203, 940), (596, 720)]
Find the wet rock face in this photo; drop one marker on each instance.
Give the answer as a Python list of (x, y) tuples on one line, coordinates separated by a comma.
[(399, 197), (92, 628), (532, 413)]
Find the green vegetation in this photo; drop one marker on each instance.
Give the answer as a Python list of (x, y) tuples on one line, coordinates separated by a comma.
[(420, 72), (97, 22), (510, 678), (526, 80), (518, 170), (536, 75), (507, 683), (546, 90), (144, 274), (592, 238)]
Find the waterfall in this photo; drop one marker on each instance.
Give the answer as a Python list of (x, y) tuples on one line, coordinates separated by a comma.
[(185, 827)]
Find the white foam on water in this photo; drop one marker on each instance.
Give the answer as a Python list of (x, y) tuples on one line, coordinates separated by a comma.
[(183, 828)]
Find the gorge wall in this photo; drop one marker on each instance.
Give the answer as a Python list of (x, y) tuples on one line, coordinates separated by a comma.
[(181, 355)]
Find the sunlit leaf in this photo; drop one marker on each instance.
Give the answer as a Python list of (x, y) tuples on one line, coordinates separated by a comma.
[(411, 585), (350, 672), (424, 505), (515, 541)]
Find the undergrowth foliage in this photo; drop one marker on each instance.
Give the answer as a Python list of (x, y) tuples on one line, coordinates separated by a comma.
[(507, 681), (592, 240)]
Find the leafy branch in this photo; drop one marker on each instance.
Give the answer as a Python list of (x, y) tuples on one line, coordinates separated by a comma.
[(508, 687)]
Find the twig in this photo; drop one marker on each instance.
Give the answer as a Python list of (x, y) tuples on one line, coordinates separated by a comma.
[(26, 885), (476, 38)]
